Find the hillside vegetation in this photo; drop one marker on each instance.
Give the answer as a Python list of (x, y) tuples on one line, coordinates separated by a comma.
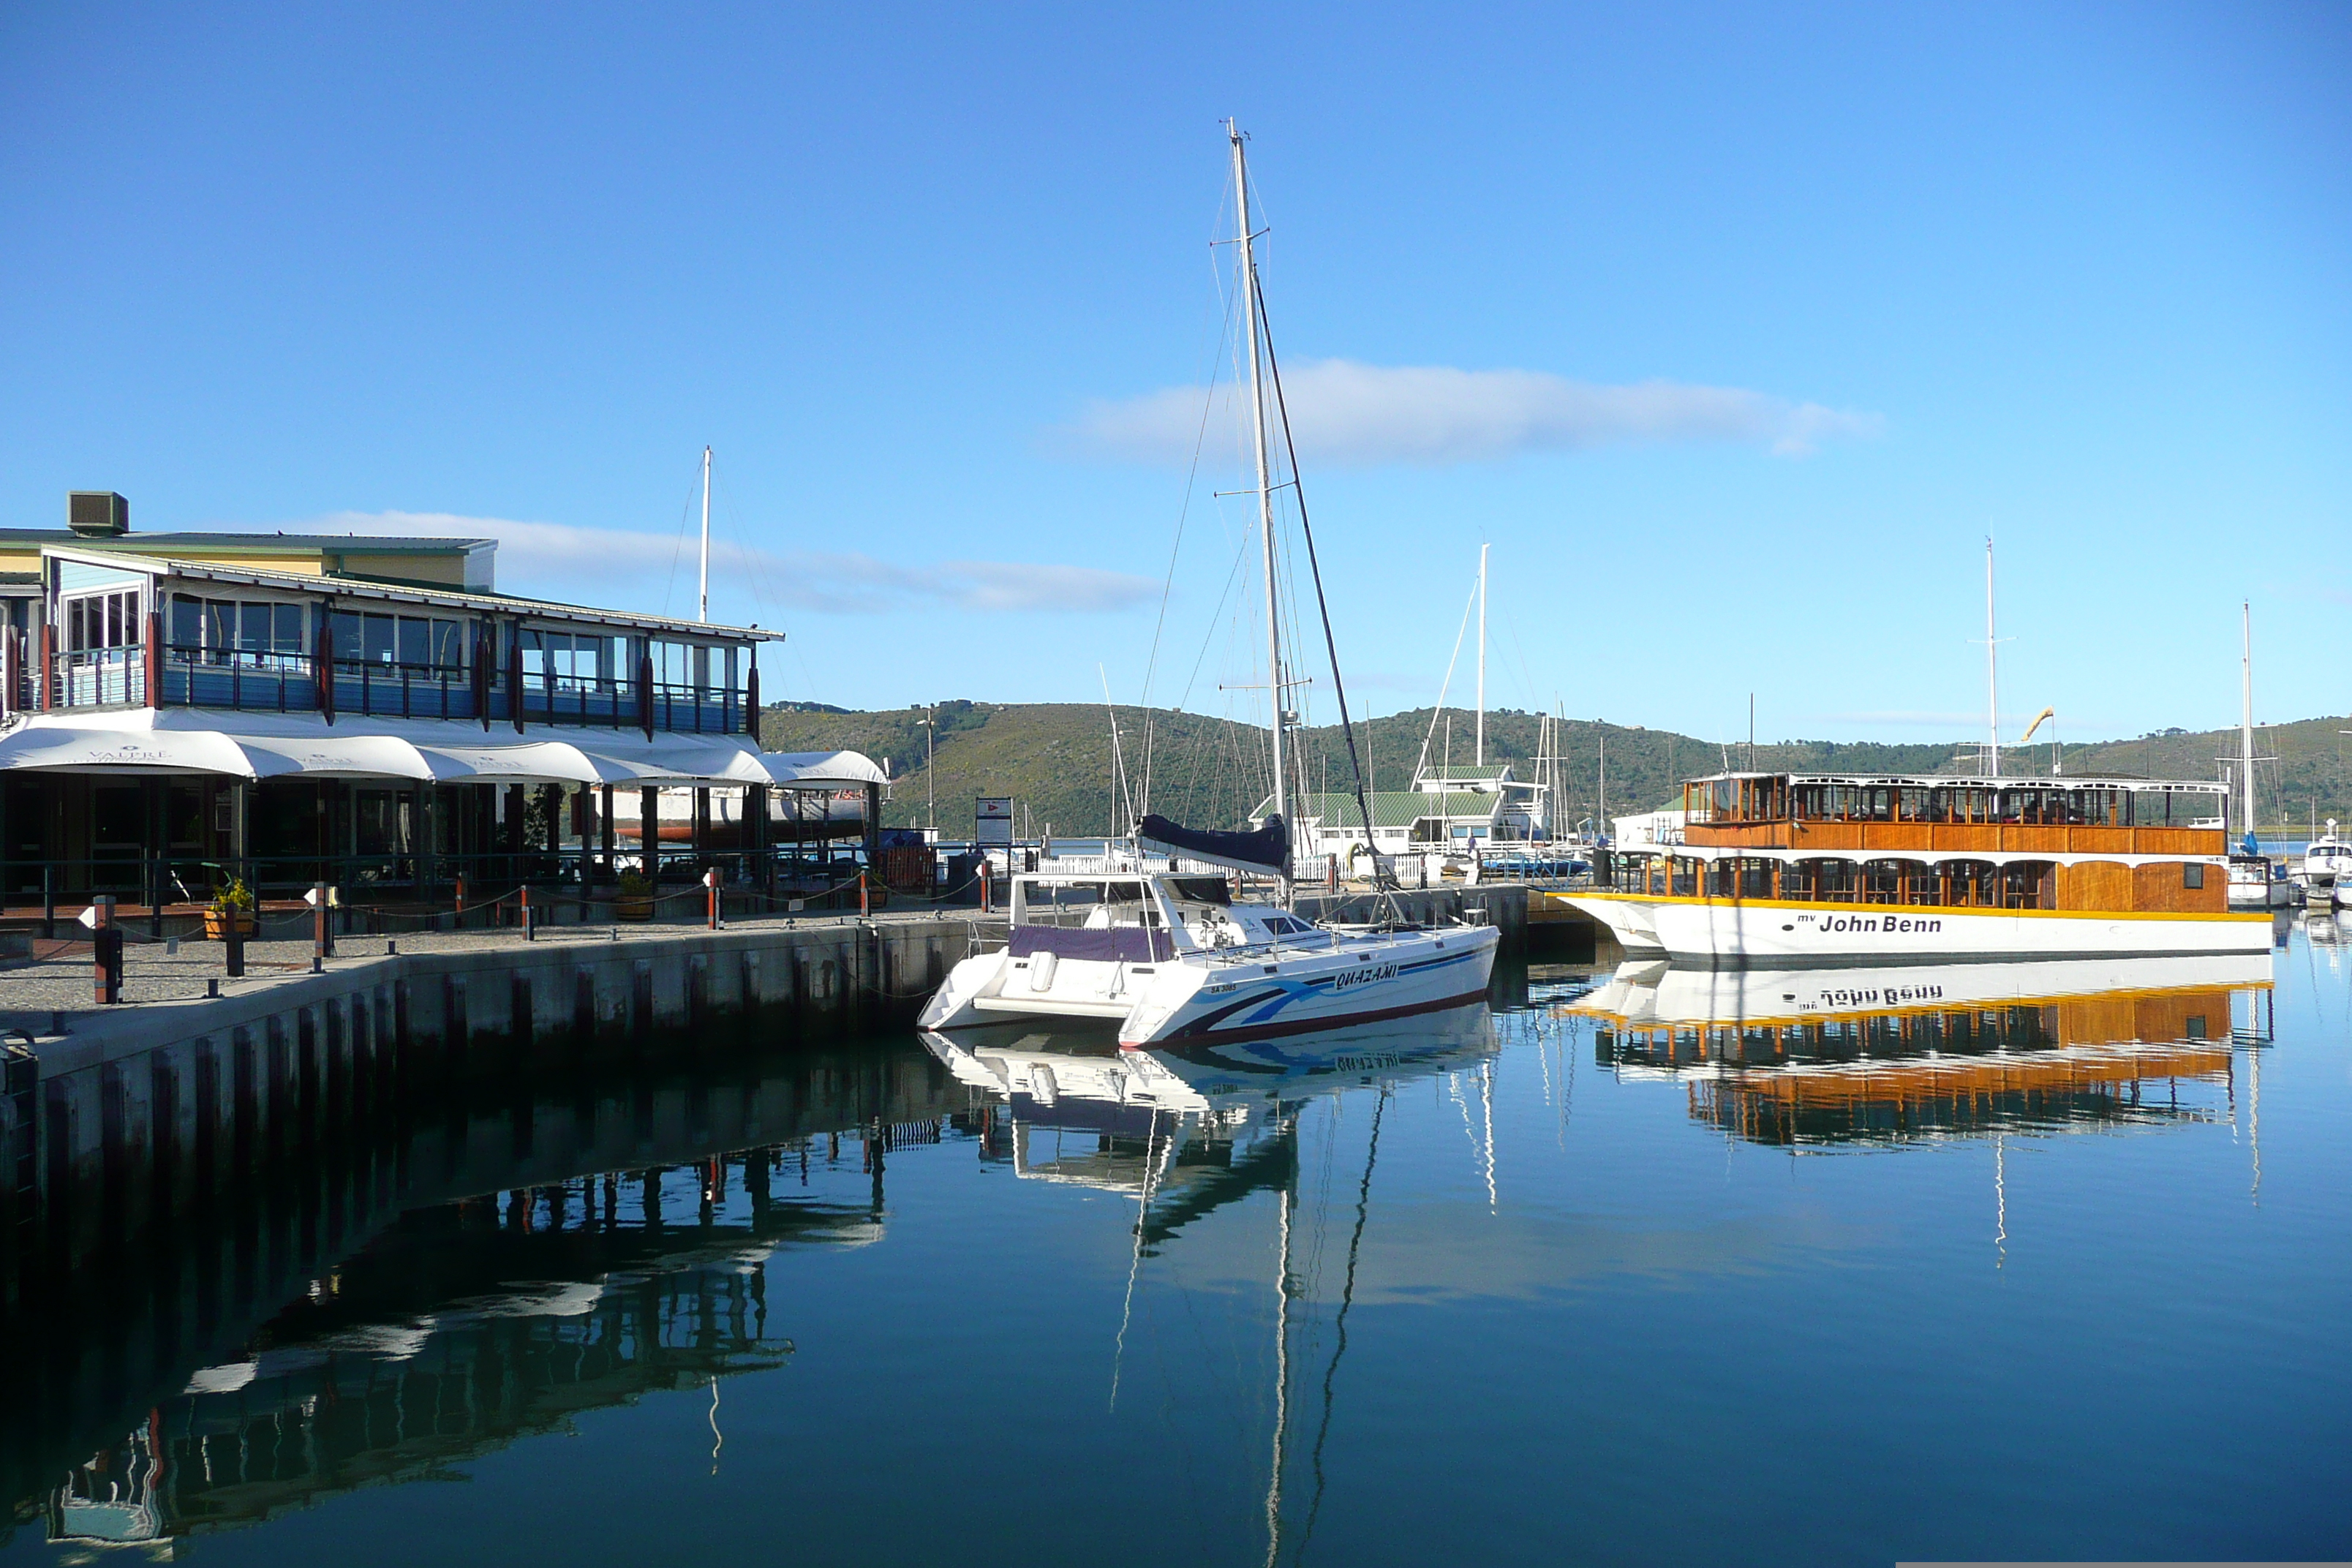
[(1054, 760)]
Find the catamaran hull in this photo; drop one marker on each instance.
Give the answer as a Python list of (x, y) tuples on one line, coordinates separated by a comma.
[(1355, 980), (1715, 930)]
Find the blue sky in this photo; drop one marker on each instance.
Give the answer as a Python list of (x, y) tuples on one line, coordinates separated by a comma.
[(1734, 330)]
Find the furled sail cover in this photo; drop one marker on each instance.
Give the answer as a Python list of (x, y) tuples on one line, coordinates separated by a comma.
[(1266, 851)]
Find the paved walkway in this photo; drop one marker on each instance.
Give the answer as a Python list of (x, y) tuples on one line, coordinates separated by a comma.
[(58, 978)]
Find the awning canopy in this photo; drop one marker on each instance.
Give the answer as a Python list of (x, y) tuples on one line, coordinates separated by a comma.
[(254, 746), (814, 768)]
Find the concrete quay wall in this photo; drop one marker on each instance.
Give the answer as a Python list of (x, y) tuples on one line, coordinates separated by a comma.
[(140, 1115)]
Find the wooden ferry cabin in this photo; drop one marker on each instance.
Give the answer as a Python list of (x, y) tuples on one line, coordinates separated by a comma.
[(1929, 866)]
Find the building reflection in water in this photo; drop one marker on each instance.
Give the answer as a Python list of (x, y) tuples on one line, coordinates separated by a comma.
[(1862, 1056), (457, 1327)]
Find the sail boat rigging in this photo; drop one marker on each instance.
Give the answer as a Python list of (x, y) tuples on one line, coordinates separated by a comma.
[(1171, 954)]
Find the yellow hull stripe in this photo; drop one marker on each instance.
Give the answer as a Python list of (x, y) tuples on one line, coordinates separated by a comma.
[(1923, 909)]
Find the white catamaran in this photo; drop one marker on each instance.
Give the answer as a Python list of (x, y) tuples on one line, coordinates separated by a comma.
[(1171, 955)]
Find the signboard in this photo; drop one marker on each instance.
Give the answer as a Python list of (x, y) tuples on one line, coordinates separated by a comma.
[(992, 819)]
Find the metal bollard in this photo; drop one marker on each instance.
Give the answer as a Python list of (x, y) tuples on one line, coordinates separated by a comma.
[(710, 885), (322, 930), (528, 933), (461, 902), (106, 950), (864, 906), (49, 903)]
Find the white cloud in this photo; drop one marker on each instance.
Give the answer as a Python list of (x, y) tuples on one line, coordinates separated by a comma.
[(1346, 413), (634, 570)]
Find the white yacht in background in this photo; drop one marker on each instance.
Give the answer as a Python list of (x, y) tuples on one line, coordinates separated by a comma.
[(2326, 863)]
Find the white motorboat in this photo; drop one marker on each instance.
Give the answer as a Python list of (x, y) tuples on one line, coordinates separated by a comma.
[(1168, 955), (1171, 957), (2326, 863)]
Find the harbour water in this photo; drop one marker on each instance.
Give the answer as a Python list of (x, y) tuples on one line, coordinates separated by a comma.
[(1591, 1275)]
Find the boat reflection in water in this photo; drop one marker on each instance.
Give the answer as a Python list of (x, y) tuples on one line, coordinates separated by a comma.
[(1187, 1127), (1836, 1057), (1187, 1131)]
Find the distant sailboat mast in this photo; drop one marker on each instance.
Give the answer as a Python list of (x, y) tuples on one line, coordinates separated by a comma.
[(1264, 481), (1992, 675), (1481, 655), (2246, 727), (704, 613)]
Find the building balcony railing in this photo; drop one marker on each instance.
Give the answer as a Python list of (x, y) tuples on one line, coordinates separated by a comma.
[(256, 681)]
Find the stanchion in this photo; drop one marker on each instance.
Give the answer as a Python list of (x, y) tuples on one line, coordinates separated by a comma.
[(460, 918), (322, 930), (711, 888), (865, 907), (528, 934), (106, 950), (986, 880)]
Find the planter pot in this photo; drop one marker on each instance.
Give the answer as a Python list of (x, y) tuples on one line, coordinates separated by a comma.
[(637, 908), (216, 924)]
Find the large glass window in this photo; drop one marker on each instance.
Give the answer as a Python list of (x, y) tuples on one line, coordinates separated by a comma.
[(249, 630), (425, 644), (102, 620)]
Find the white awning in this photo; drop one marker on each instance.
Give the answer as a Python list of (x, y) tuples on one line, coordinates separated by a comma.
[(810, 769), (274, 745), (45, 749)]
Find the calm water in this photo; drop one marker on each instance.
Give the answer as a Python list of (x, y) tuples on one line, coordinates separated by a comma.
[(1828, 1268)]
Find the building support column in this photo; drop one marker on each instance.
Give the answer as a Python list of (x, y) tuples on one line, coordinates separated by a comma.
[(649, 834), (605, 830)]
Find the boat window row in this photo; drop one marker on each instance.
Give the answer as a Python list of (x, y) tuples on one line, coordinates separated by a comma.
[(1948, 884), (1743, 800)]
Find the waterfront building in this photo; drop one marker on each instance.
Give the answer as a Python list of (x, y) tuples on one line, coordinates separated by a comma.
[(177, 709)]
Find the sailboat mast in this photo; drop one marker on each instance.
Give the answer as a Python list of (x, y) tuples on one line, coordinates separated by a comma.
[(1992, 676), (704, 613), (2246, 725), (1265, 479), (1481, 655)]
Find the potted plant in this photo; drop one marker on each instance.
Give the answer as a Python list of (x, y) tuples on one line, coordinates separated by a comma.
[(232, 908), (635, 901)]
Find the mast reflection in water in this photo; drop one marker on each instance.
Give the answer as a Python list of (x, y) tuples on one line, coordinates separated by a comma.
[(1017, 1295)]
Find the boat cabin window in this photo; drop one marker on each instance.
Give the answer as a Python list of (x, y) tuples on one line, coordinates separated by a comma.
[(1202, 890)]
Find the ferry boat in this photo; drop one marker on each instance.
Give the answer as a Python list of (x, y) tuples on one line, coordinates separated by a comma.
[(1786, 868)]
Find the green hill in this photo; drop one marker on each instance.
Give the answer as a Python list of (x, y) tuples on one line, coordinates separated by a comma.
[(1054, 760)]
